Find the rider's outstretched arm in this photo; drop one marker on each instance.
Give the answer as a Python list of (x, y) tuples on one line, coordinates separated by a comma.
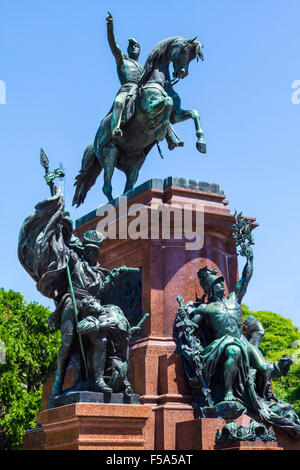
[(242, 285), (115, 49)]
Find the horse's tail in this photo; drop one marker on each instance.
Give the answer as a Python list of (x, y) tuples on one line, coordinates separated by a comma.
[(86, 178)]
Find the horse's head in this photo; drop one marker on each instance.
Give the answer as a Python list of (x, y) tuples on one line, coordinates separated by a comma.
[(179, 50), (185, 50)]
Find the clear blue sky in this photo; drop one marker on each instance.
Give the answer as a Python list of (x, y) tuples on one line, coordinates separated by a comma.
[(61, 79)]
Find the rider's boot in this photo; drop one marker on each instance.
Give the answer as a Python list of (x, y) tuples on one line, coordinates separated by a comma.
[(172, 142)]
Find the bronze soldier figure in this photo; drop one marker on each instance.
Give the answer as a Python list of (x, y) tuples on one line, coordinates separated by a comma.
[(129, 73), (88, 277), (66, 270), (227, 371)]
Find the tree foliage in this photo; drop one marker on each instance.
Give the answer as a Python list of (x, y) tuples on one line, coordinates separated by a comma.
[(30, 357), (280, 336)]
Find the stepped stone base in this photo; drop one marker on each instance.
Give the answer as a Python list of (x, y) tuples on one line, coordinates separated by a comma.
[(90, 426), (199, 434)]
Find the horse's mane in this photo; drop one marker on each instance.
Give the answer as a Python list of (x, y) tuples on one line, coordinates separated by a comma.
[(159, 51)]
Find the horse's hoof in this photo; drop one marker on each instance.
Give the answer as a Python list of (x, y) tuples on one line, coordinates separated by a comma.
[(201, 147)]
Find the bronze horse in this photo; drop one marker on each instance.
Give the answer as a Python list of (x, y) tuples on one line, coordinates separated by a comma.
[(146, 119)]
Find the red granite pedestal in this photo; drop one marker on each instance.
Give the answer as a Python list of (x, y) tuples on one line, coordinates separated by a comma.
[(249, 446), (90, 426), (200, 434), (169, 269)]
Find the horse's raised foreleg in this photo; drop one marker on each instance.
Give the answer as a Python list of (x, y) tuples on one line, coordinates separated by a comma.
[(108, 159), (184, 114)]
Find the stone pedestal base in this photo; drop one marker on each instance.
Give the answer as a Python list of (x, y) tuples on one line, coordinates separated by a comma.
[(166, 417), (199, 434), (168, 268), (90, 426), (285, 440), (34, 439), (249, 446)]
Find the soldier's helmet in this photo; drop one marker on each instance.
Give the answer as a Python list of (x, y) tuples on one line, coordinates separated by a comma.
[(93, 238), (208, 278), (132, 41)]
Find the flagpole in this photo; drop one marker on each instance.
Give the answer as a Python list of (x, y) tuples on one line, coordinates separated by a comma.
[(50, 177)]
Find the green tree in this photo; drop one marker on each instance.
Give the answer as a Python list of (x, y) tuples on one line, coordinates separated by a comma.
[(30, 357), (279, 338)]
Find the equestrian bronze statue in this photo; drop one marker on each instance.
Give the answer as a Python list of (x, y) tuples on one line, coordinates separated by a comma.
[(142, 114)]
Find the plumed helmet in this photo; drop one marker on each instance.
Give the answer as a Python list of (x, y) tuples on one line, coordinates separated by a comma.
[(93, 238), (208, 278)]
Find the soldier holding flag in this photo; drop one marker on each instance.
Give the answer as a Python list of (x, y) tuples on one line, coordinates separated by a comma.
[(67, 271)]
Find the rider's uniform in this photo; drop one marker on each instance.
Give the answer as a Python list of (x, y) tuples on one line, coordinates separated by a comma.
[(129, 73)]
